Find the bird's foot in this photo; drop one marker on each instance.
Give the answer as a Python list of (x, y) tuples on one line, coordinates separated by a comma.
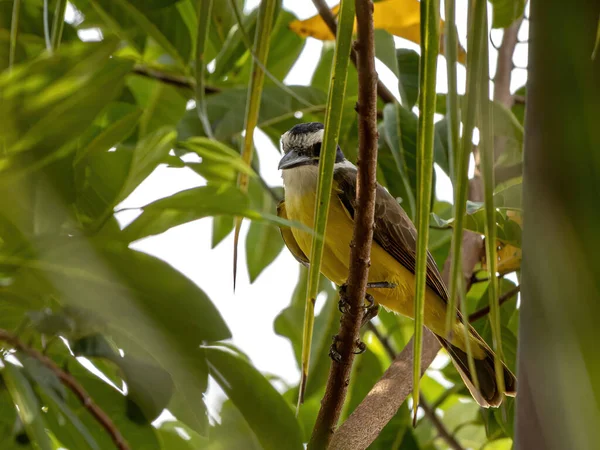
[(343, 305), (360, 347), (371, 310), (334, 353)]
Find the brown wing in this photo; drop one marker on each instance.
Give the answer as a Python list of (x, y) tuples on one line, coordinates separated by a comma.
[(393, 229), (288, 237)]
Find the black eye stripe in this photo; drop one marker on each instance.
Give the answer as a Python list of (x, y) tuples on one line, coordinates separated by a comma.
[(316, 149)]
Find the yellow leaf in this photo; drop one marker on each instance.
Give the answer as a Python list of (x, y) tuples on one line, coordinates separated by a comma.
[(398, 17)]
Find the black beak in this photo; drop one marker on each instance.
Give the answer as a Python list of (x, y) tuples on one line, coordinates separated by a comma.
[(294, 159)]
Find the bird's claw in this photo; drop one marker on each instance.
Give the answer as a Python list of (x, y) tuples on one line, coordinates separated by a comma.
[(361, 347), (333, 351), (334, 354)]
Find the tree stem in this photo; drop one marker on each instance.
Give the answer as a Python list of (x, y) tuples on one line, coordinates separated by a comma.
[(360, 249), (327, 16)]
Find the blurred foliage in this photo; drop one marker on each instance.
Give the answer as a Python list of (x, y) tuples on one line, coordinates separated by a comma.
[(84, 125)]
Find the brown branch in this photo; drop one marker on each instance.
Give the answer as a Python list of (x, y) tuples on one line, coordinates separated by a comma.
[(501, 300), (69, 381), (505, 64), (360, 248), (427, 408), (383, 92), (179, 81), (437, 423), (385, 398), (504, 68)]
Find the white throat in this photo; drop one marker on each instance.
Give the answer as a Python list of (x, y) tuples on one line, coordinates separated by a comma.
[(301, 179)]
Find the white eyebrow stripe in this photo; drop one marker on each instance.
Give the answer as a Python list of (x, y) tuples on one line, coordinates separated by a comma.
[(304, 140)]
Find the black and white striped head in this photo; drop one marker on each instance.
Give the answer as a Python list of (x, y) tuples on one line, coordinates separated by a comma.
[(301, 146)]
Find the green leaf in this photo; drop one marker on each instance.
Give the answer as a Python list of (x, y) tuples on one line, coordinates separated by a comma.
[(260, 404), (333, 119), (263, 245), (149, 387), (486, 152), (289, 324), (170, 435), (165, 25), (215, 154), (425, 144), (63, 94), (284, 49), (51, 323), (505, 125), (49, 386), (194, 204), (112, 135), (28, 407), (276, 110), (147, 154), (112, 402), (263, 242), (408, 80), (162, 105), (222, 226), (152, 312), (321, 76), (264, 25), (204, 24), (505, 12), (385, 50), (393, 126)]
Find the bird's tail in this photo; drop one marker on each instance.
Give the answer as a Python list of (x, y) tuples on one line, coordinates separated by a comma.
[(488, 393)]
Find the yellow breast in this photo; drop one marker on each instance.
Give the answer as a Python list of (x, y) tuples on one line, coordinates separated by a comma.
[(300, 200)]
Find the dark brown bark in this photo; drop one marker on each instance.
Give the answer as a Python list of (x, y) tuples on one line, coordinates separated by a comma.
[(325, 13), (360, 249)]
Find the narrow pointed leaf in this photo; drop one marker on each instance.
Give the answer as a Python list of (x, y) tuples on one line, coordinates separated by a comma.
[(452, 112), (29, 408), (486, 152), (204, 23), (475, 35), (333, 119), (260, 404), (261, 46), (430, 11), (14, 32)]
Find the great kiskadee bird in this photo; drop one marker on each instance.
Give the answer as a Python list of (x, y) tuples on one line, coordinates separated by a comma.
[(392, 253)]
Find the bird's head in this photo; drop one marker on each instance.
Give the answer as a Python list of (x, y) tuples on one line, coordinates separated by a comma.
[(301, 146)]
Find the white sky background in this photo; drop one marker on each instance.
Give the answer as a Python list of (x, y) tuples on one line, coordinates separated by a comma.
[(250, 311)]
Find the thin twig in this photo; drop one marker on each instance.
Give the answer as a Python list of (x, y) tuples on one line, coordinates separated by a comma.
[(427, 408), (360, 249), (179, 81), (501, 300), (327, 16), (437, 423), (505, 64), (69, 381)]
